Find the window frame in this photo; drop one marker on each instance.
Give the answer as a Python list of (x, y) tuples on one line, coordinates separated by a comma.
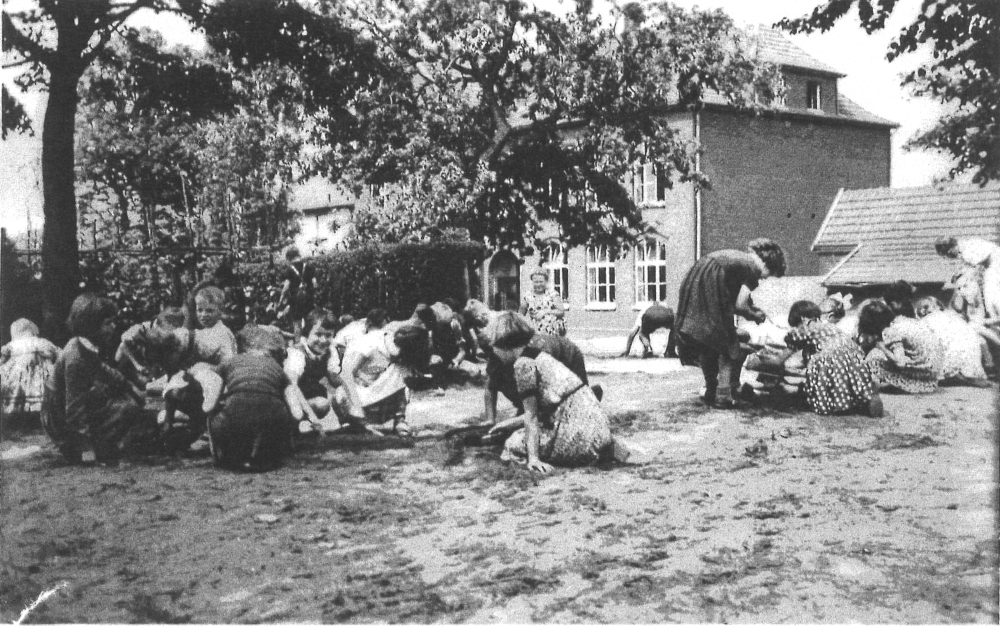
[(648, 184), (642, 264), (599, 259), (555, 261), (814, 95)]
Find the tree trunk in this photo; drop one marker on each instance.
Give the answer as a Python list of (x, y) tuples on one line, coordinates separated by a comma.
[(60, 251)]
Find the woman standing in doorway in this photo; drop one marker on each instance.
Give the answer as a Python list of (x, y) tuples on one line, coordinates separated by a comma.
[(543, 307)]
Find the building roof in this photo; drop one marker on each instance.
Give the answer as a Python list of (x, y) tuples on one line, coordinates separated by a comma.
[(774, 47), (889, 234), (317, 194)]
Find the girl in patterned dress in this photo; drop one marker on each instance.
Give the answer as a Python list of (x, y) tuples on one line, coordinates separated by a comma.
[(563, 423), (837, 380), (27, 363), (906, 353), (543, 307)]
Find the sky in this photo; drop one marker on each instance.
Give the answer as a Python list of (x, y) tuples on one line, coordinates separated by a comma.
[(870, 80)]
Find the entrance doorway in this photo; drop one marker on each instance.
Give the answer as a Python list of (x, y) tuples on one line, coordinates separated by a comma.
[(504, 282)]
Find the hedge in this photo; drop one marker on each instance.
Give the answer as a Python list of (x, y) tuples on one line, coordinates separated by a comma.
[(395, 278)]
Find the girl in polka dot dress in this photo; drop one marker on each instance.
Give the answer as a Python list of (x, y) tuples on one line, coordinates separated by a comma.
[(837, 380)]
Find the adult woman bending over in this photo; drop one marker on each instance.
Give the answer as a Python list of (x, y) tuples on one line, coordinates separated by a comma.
[(714, 290)]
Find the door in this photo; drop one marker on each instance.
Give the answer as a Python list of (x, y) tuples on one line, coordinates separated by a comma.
[(504, 282)]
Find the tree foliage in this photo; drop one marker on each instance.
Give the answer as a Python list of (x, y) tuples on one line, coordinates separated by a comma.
[(176, 149), (496, 117), (964, 72), (56, 40)]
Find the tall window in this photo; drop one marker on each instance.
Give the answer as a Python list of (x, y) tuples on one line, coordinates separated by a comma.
[(600, 278), (554, 261), (813, 96), (649, 184), (650, 272)]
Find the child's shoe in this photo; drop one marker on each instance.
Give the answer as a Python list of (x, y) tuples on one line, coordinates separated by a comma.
[(874, 408)]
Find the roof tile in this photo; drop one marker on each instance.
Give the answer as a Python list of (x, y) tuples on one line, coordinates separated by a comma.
[(894, 230)]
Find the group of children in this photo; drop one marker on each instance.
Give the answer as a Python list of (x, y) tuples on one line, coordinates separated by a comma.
[(890, 342), (248, 394)]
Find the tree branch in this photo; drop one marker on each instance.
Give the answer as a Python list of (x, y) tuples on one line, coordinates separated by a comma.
[(29, 48)]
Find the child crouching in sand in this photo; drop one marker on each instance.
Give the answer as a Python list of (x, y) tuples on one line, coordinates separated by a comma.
[(254, 428), (373, 377), (564, 423)]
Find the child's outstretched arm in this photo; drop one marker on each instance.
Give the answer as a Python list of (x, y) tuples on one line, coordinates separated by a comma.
[(294, 400)]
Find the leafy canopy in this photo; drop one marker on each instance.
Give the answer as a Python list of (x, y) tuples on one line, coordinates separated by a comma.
[(186, 148), (964, 72), (495, 117)]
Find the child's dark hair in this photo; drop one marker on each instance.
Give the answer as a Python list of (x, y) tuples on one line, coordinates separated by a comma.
[(171, 316), (803, 310), (945, 245), (414, 346), (897, 296), (771, 254), (376, 318), (88, 313), (425, 314), (320, 317), (874, 318), (509, 330), (452, 304)]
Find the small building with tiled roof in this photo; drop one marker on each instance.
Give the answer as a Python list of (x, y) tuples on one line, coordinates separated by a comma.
[(873, 237), (772, 174)]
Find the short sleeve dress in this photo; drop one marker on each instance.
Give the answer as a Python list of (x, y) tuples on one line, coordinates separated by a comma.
[(962, 352), (540, 313), (706, 303), (574, 428), (837, 379), (919, 366)]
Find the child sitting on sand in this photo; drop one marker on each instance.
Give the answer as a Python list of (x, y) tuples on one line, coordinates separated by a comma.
[(25, 365), (89, 407)]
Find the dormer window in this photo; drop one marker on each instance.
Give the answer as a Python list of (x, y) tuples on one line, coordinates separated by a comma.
[(813, 96)]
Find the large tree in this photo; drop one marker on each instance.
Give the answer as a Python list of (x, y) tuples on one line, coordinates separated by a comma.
[(499, 117), (964, 72), (56, 40)]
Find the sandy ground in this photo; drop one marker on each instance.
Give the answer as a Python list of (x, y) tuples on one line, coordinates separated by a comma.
[(770, 514)]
